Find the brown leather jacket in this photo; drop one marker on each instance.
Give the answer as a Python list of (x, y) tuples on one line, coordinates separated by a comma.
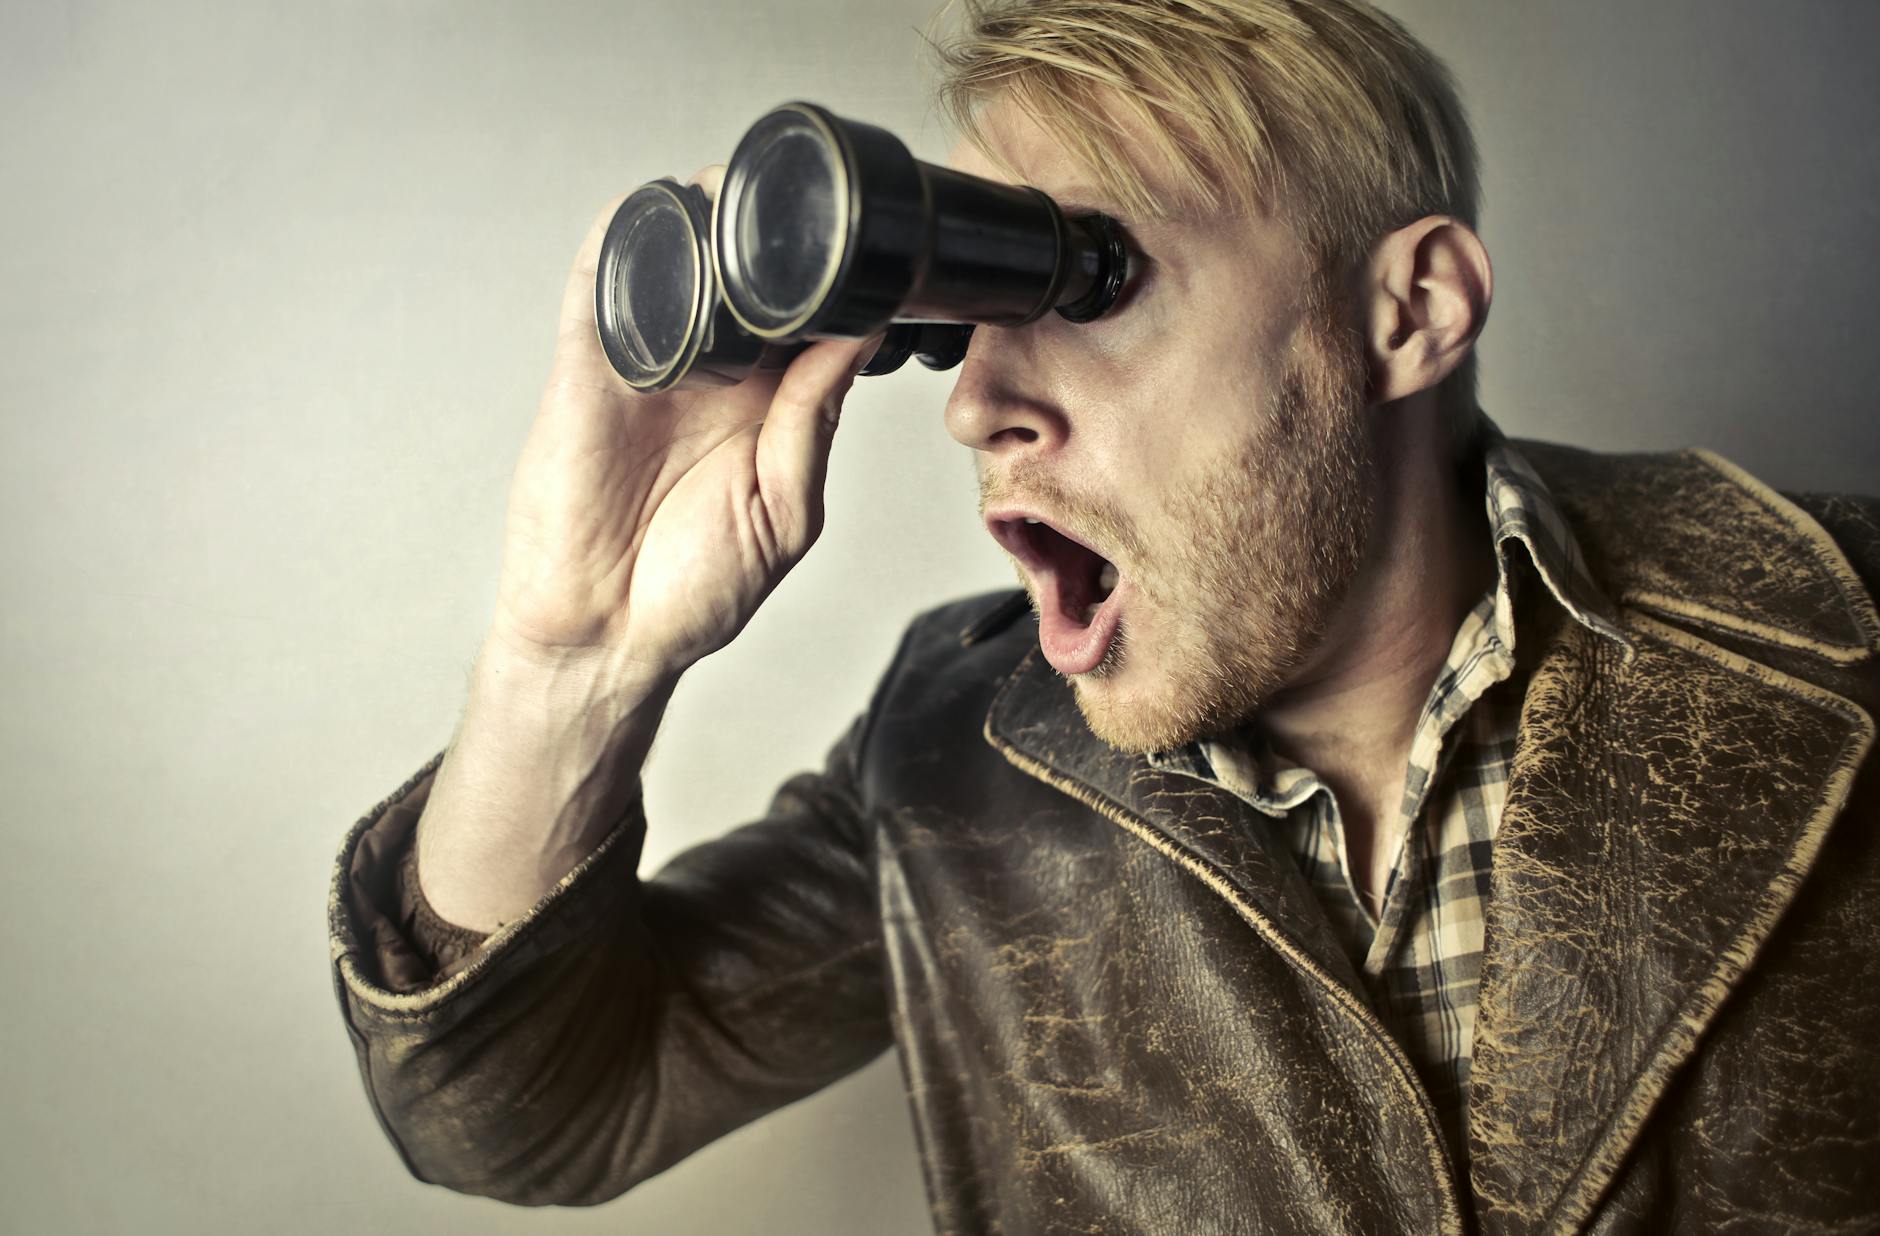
[(1114, 1007)]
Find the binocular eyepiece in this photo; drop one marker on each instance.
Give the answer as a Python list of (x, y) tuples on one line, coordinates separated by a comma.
[(830, 228)]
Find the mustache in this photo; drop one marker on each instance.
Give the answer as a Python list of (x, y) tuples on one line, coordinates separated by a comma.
[(1028, 484)]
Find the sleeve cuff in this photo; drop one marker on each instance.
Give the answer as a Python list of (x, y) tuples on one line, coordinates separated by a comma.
[(385, 935)]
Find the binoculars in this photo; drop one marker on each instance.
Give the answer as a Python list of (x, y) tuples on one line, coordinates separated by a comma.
[(828, 228)]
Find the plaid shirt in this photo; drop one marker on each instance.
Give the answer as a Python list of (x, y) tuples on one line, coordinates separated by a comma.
[(1421, 961)]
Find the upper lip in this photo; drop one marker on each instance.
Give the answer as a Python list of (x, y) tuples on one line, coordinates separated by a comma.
[(1007, 525)]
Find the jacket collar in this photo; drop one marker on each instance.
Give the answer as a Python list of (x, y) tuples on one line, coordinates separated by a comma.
[(1663, 810), (1693, 537)]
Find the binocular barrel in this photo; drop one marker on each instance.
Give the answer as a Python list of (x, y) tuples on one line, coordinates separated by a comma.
[(829, 228)]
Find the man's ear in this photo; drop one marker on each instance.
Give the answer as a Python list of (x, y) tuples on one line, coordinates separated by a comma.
[(1427, 289)]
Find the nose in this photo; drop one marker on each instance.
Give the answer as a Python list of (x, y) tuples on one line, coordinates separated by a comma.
[(997, 403)]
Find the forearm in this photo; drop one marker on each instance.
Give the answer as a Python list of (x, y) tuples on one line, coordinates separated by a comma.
[(545, 762), (618, 1025)]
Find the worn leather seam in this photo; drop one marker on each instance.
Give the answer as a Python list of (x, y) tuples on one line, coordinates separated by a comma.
[(1443, 1170), (1680, 607), (1857, 605), (1680, 1036), (339, 927), (1831, 556)]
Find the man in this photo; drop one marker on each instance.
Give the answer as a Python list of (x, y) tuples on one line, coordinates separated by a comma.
[(1382, 826)]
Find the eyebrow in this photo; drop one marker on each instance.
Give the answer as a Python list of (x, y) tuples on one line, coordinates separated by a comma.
[(1080, 197)]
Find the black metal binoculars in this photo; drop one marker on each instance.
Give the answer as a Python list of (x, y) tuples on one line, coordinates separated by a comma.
[(829, 228)]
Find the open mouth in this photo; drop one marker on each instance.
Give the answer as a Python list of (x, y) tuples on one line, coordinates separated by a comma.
[(1079, 592)]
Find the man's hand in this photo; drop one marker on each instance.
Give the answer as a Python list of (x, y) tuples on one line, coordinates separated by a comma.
[(645, 530)]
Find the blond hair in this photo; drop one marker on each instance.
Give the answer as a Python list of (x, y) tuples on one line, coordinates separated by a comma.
[(1327, 112)]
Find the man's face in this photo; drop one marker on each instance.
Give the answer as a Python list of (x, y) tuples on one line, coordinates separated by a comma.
[(1206, 437)]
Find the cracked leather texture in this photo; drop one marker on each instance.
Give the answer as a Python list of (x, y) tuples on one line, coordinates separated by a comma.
[(1115, 1004)]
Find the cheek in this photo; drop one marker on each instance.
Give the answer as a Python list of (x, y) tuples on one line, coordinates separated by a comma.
[(1200, 410), (1162, 390)]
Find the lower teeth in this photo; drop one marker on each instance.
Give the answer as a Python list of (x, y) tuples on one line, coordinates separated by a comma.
[(1106, 584)]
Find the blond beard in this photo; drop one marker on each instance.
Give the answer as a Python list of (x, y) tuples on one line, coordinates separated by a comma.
[(1277, 534)]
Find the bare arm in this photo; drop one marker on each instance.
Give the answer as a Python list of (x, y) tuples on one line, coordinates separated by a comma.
[(546, 760)]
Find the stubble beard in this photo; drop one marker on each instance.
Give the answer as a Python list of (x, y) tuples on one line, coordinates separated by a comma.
[(1274, 537)]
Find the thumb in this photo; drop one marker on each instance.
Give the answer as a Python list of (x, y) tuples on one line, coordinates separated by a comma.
[(793, 443)]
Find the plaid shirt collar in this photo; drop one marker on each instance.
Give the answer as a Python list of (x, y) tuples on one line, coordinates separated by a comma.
[(1521, 511)]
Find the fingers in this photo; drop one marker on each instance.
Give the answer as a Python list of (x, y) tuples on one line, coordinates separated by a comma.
[(710, 178), (793, 444), (577, 299)]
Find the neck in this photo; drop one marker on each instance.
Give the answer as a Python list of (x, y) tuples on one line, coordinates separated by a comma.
[(1350, 711)]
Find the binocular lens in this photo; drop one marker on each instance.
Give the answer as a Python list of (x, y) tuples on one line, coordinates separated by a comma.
[(653, 290), (657, 283), (786, 223), (829, 228)]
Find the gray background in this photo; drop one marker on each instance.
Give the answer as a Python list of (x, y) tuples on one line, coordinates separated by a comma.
[(280, 283)]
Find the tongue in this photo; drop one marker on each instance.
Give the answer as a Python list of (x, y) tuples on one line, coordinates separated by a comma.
[(1071, 645)]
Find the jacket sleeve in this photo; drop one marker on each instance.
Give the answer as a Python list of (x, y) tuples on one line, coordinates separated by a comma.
[(622, 1023)]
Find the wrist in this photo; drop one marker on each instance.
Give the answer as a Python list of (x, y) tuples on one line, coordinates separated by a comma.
[(546, 762), (549, 675), (534, 711)]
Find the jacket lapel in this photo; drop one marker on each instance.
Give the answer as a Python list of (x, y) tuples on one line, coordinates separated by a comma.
[(1661, 815), (1035, 722)]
